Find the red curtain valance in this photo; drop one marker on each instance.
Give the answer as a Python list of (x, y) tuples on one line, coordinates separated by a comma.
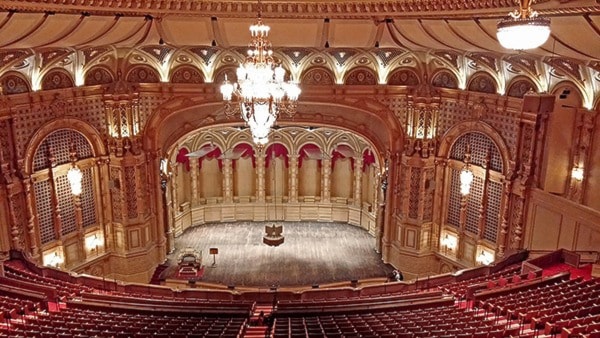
[(183, 159), (341, 152), (310, 151), (276, 150), (243, 150), (368, 159)]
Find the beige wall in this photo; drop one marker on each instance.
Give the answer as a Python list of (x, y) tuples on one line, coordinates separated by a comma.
[(554, 222)]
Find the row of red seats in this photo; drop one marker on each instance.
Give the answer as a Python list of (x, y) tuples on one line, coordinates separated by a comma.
[(459, 289), (369, 325), (74, 322)]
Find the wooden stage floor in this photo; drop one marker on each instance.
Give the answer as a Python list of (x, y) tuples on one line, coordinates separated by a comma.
[(313, 253)]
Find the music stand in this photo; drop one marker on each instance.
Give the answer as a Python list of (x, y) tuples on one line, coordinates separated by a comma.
[(214, 252)]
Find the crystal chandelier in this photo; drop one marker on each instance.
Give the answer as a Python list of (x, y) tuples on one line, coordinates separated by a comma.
[(524, 29), (261, 92)]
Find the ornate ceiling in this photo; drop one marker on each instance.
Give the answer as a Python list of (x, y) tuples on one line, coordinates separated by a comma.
[(426, 35)]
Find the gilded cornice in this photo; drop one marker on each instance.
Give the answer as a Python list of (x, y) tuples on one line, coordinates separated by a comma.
[(298, 9)]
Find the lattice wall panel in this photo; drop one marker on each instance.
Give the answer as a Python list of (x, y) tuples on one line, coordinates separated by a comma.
[(413, 199), (454, 199), (398, 106), (27, 120), (148, 104), (66, 205), (474, 206), (130, 189), (492, 221), (115, 194), (43, 205), (428, 197), (60, 141), (451, 113), (88, 200), (5, 144), (480, 146), (144, 188)]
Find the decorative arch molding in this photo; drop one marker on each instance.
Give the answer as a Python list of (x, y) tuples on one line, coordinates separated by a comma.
[(142, 74), (14, 83), (404, 77), (482, 82), (317, 76), (230, 71), (464, 128), (361, 76), (175, 119), (444, 79), (519, 86), (57, 79), (89, 132), (98, 75), (564, 91), (187, 74)]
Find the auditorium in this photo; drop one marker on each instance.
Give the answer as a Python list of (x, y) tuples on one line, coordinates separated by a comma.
[(307, 168)]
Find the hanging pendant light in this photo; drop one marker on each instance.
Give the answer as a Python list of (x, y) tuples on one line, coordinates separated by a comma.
[(261, 92), (523, 29)]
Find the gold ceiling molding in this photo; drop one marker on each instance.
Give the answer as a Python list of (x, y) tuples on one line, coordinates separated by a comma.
[(297, 9)]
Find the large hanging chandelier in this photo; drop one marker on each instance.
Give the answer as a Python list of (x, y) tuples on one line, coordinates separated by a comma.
[(261, 92), (524, 29)]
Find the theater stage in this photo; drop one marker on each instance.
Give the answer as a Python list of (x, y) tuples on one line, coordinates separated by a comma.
[(312, 253)]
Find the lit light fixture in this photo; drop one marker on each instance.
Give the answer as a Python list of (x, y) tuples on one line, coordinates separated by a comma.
[(524, 29), (484, 258), (74, 175), (449, 242), (261, 92), (55, 260), (577, 173), (466, 178)]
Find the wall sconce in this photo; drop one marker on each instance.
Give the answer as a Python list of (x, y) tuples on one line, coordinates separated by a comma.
[(449, 242), (54, 260), (75, 176), (466, 178), (92, 243), (485, 258), (577, 173)]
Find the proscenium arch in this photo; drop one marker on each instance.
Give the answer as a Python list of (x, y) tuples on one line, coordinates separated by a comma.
[(450, 137), (82, 127), (173, 120)]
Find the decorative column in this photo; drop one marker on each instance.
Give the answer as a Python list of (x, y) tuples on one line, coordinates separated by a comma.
[(53, 199), (357, 196), (381, 199), (227, 180), (580, 159), (293, 177), (170, 237), (326, 179), (33, 240), (260, 175), (529, 146), (505, 215), (194, 172)]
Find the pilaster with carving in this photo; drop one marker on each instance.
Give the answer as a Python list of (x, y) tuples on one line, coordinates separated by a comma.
[(326, 179), (581, 154), (227, 180), (194, 172), (358, 173), (31, 229), (530, 142), (260, 175), (293, 177)]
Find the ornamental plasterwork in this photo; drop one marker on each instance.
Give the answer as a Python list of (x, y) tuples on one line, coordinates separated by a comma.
[(295, 9)]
